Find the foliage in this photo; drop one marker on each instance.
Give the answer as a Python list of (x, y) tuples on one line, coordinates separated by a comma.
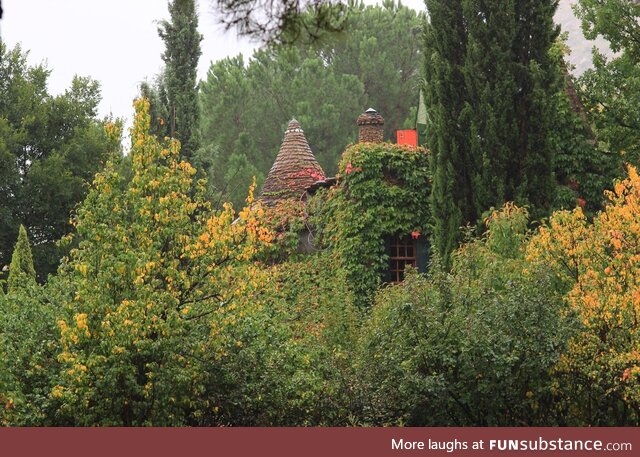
[(383, 191), (156, 93), (153, 279), (616, 20), (174, 97), (288, 219), (598, 263), (28, 347), (21, 270), (610, 89), (283, 21), (582, 169), (610, 94), (50, 147), (473, 347), (247, 105), (326, 324), (489, 83), (445, 50), (28, 339), (380, 46), (293, 367)]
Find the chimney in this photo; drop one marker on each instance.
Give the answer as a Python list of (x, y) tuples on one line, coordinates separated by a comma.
[(370, 125)]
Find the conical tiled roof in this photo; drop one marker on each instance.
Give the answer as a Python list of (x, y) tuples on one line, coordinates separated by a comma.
[(295, 168)]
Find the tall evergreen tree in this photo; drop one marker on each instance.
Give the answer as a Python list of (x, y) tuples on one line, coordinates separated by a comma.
[(181, 55), (511, 81), (490, 82), (21, 268), (444, 94)]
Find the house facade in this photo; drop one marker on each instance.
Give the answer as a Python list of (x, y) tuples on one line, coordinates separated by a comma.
[(378, 212)]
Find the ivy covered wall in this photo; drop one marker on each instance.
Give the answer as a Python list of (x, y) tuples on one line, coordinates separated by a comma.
[(383, 190)]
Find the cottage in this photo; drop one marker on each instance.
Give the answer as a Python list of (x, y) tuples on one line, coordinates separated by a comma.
[(388, 221)]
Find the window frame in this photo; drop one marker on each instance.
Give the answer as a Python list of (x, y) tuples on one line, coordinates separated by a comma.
[(398, 251)]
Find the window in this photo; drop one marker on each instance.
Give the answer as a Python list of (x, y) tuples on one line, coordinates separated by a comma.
[(402, 252)]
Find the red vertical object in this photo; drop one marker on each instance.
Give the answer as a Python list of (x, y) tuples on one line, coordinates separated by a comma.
[(409, 137)]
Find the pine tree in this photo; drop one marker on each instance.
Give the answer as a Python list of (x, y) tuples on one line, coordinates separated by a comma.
[(21, 268), (490, 82), (182, 51)]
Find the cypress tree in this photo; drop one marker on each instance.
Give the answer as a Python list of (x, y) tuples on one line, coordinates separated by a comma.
[(490, 109), (444, 95), (156, 93), (21, 267), (181, 55), (490, 83), (538, 79), (512, 81)]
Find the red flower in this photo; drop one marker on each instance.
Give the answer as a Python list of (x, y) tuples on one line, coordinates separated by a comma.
[(582, 202), (415, 234), (626, 374)]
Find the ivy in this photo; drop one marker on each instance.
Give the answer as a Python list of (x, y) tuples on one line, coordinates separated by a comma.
[(383, 190)]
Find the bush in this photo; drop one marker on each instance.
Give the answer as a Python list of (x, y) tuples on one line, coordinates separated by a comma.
[(473, 347), (293, 366)]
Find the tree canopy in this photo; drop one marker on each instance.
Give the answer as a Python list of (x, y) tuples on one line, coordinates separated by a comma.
[(50, 147), (246, 105), (610, 89)]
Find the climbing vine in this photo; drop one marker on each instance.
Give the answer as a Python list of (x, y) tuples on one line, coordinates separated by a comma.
[(286, 219), (383, 190)]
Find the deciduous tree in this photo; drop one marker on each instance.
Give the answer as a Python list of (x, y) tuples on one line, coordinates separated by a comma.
[(50, 147), (155, 279), (610, 89), (597, 263)]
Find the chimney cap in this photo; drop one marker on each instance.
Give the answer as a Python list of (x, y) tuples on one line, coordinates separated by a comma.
[(370, 117)]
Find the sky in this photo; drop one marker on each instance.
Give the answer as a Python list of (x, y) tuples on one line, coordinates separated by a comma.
[(115, 42)]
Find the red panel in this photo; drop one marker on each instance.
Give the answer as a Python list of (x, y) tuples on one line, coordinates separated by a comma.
[(409, 137)]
